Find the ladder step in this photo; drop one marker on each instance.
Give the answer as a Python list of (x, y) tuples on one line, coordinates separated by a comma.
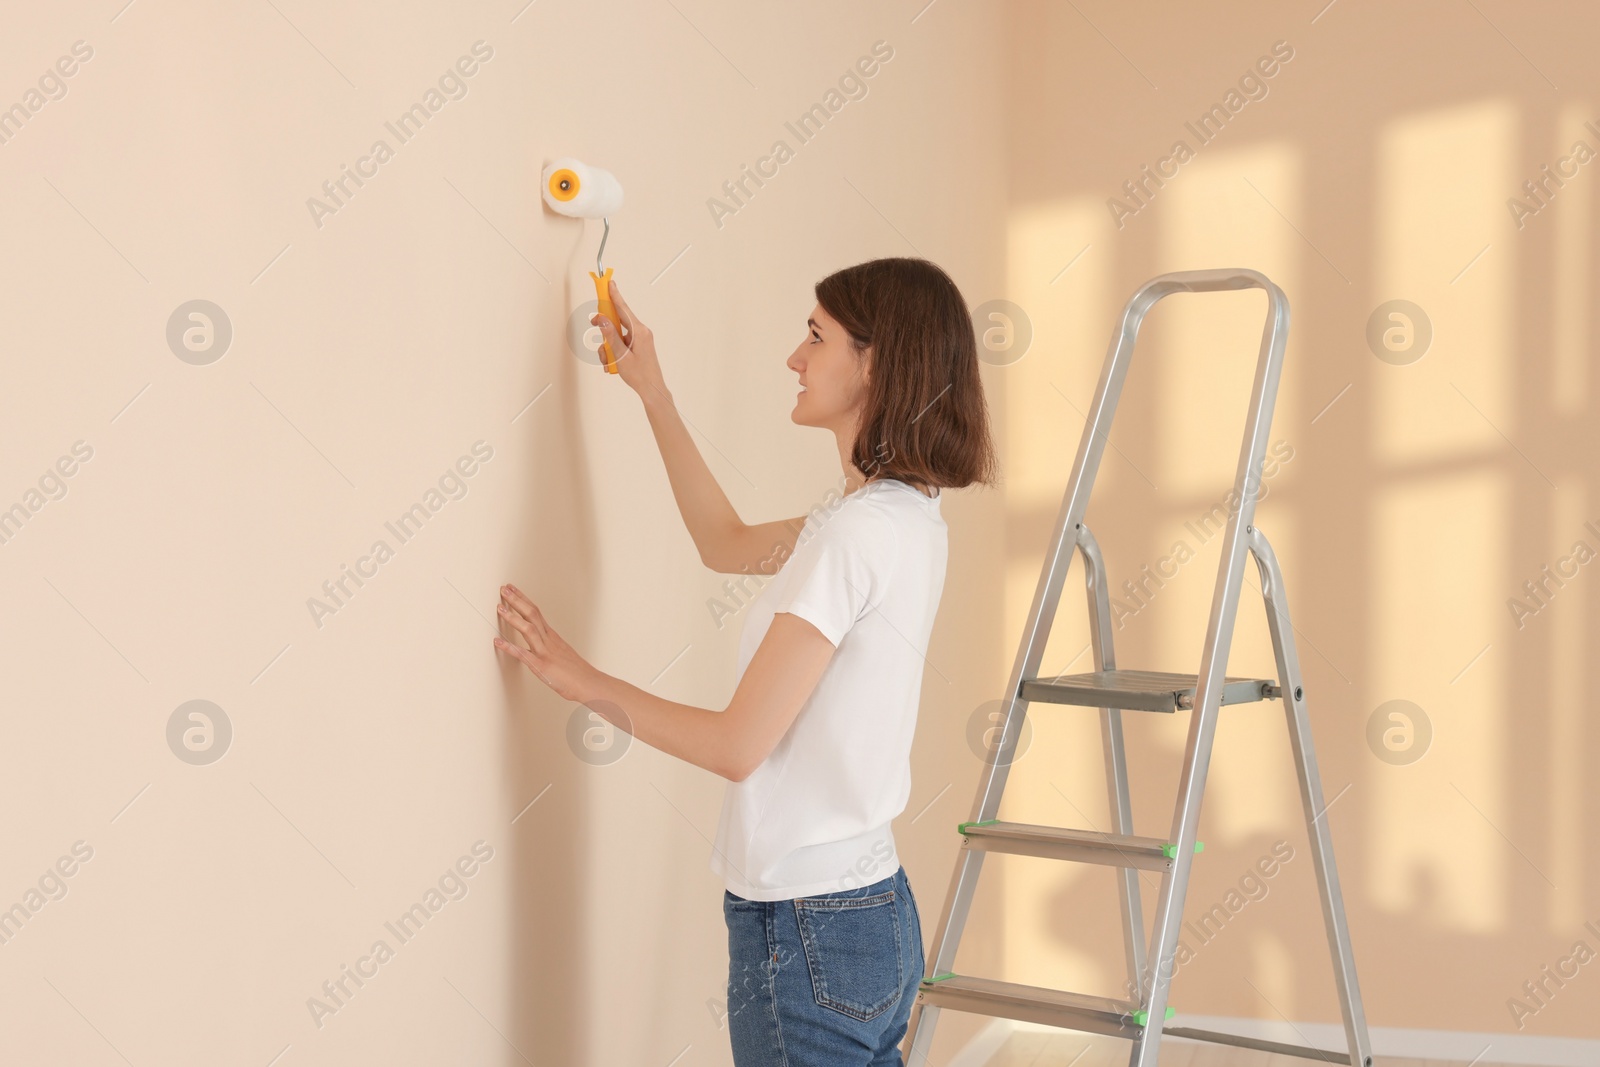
[(1033, 1004), (1061, 843), (1140, 690)]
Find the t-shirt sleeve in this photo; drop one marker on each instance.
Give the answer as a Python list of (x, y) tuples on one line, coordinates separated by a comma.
[(841, 574)]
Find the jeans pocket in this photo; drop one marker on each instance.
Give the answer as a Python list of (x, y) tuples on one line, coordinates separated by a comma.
[(852, 946)]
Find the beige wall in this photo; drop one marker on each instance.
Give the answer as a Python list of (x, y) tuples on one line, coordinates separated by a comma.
[(370, 352), (1376, 167), (371, 752)]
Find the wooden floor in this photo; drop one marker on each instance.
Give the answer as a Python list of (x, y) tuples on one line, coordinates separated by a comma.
[(1038, 1049)]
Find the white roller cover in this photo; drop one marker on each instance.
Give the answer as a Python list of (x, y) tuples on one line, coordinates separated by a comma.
[(590, 193)]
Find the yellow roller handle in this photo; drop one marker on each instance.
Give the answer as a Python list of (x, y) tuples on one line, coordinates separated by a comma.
[(602, 292)]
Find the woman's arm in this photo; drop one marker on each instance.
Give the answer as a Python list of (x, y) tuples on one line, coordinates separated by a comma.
[(779, 680), (725, 543), (707, 513), (732, 743)]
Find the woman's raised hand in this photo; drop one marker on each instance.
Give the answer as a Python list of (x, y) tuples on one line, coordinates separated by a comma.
[(636, 357)]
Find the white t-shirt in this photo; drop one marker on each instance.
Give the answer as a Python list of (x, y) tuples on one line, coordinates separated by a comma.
[(814, 817)]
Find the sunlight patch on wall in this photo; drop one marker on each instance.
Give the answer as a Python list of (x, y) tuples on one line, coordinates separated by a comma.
[(1273, 969), (1057, 265), (1442, 243), (1431, 855), (1225, 213), (1565, 625), (1573, 232)]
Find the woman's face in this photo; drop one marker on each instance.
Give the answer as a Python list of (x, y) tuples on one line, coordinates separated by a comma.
[(832, 377)]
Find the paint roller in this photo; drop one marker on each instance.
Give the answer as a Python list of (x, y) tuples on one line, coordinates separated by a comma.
[(572, 187)]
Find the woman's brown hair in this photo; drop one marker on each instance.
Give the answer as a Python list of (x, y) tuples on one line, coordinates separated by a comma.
[(923, 419)]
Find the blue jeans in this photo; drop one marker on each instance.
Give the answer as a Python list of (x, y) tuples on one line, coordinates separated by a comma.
[(824, 980)]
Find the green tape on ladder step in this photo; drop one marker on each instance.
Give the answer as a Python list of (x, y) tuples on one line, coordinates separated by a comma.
[(961, 828), (1171, 851), (1142, 1016), (941, 977)]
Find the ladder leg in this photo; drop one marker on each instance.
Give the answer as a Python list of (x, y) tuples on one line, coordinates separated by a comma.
[(1116, 762), (1169, 905), (964, 881), (957, 902), (1305, 761), (1035, 635), (1196, 761), (1127, 877)]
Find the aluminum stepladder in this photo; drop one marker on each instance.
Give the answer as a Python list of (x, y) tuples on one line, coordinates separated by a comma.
[(1113, 691)]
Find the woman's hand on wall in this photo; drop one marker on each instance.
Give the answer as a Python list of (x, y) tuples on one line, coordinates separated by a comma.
[(636, 359), (555, 662)]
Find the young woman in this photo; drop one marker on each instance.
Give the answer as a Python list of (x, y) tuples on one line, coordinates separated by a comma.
[(824, 940)]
